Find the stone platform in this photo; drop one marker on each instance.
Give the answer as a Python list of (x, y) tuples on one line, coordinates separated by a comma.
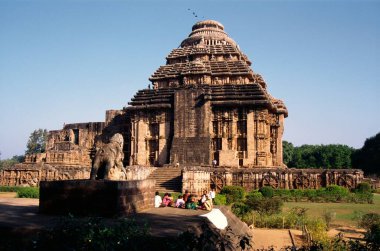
[(96, 197), (20, 217)]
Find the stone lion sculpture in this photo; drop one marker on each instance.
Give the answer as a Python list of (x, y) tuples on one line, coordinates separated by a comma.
[(108, 161)]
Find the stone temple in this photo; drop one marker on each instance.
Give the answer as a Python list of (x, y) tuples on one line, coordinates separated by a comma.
[(207, 120)]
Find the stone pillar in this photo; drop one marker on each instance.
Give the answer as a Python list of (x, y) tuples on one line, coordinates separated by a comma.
[(251, 141), (280, 132), (162, 142), (141, 130)]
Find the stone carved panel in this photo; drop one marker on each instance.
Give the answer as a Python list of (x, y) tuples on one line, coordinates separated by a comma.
[(346, 180), (276, 178), (301, 182)]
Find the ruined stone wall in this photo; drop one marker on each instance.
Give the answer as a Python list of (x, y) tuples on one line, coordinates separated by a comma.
[(71, 146), (197, 179)]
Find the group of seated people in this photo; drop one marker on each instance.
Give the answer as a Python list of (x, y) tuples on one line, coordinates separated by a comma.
[(187, 200)]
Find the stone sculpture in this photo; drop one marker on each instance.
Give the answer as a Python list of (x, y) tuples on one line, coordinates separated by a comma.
[(108, 161)]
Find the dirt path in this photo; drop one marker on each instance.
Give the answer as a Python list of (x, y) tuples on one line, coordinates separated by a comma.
[(348, 233), (8, 194), (278, 238)]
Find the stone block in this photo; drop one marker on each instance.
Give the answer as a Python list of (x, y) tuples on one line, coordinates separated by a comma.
[(96, 197)]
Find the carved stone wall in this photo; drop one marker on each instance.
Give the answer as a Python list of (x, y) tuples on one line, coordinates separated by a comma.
[(197, 179), (32, 174), (150, 137), (246, 137), (138, 172), (191, 140)]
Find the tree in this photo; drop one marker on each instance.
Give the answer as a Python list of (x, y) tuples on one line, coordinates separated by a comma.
[(12, 161), (318, 156), (37, 141), (368, 157), (287, 151)]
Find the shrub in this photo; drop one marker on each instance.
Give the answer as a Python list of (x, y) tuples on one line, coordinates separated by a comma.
[(9, 189), (267, 191), (329, 216), (28, 192), (372, 237), (297, 194), (371, 222), (317, 228), (233, 193), (220, 199), (265, 206), (361, 198), (284, 194), (363, 187), (22, 192), (363, 193), (254, 195), (310, 194), (240, 209), (335, 193), (296, 217), (270, 221), (369, 219), (249, 218)]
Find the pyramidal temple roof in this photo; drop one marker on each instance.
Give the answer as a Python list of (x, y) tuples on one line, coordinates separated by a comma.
[(209, 57), (209, 51)]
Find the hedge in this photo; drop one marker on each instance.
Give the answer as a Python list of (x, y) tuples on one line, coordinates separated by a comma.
[(329, 194), (22, 192)]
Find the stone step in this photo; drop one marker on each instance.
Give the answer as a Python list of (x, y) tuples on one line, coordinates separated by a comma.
[(167, 179)]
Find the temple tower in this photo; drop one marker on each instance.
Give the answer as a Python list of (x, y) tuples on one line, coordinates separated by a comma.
[(207, 104)]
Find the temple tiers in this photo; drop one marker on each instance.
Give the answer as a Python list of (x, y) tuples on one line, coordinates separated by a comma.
[(207, 104)]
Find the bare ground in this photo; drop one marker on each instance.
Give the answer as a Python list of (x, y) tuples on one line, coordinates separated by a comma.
[(276, 238)]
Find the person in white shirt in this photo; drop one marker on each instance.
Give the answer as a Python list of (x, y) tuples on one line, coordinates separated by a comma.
[(180, 203), (203, 198), (157, 200), (212, 195)]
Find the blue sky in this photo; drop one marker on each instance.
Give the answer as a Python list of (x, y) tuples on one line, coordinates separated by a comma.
[(69, 61)]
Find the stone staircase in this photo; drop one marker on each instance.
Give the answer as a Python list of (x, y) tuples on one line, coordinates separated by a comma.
[(168, 179)]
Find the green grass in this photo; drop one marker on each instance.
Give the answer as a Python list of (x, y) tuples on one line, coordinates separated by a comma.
[(346, 213)]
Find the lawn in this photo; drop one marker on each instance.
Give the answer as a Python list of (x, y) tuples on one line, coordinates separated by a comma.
[(346, 213)]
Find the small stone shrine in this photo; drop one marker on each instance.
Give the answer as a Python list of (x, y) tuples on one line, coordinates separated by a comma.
[(207, 113)]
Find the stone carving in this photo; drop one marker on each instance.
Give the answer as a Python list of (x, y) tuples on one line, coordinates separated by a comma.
[(217, 181), (301, 182), (277, 178), (108, 162), (270, 180), (346, 181)]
